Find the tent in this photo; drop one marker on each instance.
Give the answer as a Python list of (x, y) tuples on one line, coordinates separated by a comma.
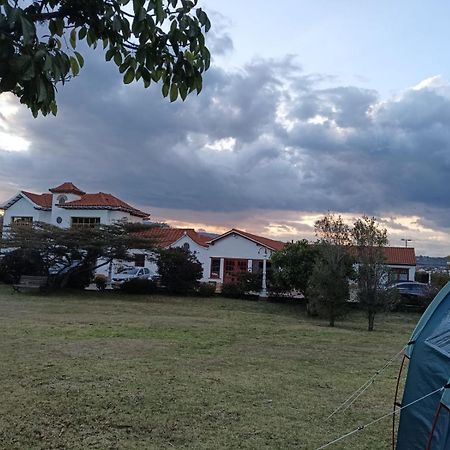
[(425, 423)]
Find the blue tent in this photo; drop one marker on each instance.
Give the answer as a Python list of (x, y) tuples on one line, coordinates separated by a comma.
[(425, 424)]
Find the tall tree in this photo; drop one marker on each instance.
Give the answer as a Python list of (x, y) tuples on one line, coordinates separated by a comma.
[(372, 273), (292, 266), (149, 40), (70, 251), (179, 270), (328, 287)]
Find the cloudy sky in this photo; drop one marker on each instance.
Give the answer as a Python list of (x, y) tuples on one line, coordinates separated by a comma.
[(309, 107)]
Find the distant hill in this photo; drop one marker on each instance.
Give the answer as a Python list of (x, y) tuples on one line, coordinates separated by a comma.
[(431, 261)]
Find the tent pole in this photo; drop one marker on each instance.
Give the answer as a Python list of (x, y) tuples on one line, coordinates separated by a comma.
[(433, 427), (395, 400)]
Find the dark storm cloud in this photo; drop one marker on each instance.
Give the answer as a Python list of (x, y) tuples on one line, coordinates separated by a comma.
[(266, 137)]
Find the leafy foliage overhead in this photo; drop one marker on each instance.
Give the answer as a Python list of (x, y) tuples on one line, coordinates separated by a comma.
[(148, 40)]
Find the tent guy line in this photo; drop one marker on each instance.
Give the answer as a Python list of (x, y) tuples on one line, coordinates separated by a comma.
[(356, 394), (363, 427)]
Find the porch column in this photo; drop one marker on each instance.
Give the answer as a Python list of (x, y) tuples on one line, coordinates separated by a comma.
[(263, 293), (250, 265), (221, 269)]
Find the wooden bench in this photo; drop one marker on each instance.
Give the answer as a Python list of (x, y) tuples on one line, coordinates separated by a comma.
[(31, 282)]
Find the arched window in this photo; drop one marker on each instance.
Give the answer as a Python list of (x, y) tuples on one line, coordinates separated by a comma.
[(62, 199), (186, 246)]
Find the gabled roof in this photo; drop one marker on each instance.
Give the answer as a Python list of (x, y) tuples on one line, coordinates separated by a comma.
[(400, 255), (101, 200), (265, 242), (67, 188), (165, 236), (42, 200)]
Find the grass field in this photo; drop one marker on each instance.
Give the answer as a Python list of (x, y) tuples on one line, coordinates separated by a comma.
[(100, 370)]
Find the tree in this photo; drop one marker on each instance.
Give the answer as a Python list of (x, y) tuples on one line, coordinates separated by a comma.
[(292, 266), (372, 273), (328, 287), (148, 40), (179, 270), (72, 254)]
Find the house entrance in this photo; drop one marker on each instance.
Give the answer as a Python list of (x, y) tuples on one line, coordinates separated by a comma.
[(233, 268)]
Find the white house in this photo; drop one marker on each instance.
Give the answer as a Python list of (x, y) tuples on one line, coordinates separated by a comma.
[(67, 206)]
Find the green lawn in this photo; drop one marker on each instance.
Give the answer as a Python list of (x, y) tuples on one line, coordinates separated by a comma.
[(100, 370)]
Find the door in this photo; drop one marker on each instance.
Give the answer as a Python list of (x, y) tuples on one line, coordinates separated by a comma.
[(233, 268)]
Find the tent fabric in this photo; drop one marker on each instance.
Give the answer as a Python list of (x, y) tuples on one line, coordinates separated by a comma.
[(429, 369)]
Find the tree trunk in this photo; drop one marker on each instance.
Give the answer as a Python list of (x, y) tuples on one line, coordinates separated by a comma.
[(332, 320), (371, 317)]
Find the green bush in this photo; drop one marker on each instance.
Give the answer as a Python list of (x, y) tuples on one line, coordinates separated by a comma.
[(139, 286), (206, 290), (232, 290), (20, 262), (179, 271)]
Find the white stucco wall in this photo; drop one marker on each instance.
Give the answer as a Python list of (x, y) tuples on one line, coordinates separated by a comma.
[(22, 208), (236, 246)]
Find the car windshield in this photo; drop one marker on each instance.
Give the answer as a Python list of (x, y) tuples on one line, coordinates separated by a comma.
[(129, 272)]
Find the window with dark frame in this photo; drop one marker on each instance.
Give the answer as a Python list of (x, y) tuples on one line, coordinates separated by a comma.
[(21, 221), (85, 221), (215, 268)]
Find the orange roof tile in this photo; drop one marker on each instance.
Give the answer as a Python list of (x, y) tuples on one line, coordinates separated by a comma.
[(266, 242), (42, 200), (400, 255), (167, 236), (102, 200), (67, 188)]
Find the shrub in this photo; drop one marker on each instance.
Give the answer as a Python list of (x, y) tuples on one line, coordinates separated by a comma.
[(100, 281), (179, 271), (232, 290), (20, 262), (139, 286), (206, 290)]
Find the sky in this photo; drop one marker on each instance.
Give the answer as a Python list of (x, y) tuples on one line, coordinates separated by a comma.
[(308, 107)]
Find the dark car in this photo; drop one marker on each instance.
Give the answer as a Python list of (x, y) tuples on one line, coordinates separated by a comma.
[(414, 295)]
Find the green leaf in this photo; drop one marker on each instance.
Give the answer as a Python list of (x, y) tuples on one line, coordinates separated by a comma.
[(110, 53), (165, 89), (41, 90), (173, 92), (73, 38), (183, 91), (118, 58), (82, 33), (28, 30), (74, 66), (79, 58), (129, 76)]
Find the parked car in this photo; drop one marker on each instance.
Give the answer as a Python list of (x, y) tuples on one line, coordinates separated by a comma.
[(414, 295), (129, 274)]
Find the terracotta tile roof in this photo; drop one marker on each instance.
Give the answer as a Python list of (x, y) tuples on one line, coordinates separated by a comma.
[(167, 236), (42, 200), (266, 242), (101, 200), (400, 255), (67, 188)]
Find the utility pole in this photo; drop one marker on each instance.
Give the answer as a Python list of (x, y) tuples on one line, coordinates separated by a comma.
[(406, 240)]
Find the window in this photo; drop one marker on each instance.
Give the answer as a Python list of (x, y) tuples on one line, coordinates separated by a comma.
[(139, 260), (399, 275), (85, 221), (186, 246), (215, 268), (19, 221), (62, 199)]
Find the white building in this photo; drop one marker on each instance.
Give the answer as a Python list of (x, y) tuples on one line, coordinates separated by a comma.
[(67, 206)]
